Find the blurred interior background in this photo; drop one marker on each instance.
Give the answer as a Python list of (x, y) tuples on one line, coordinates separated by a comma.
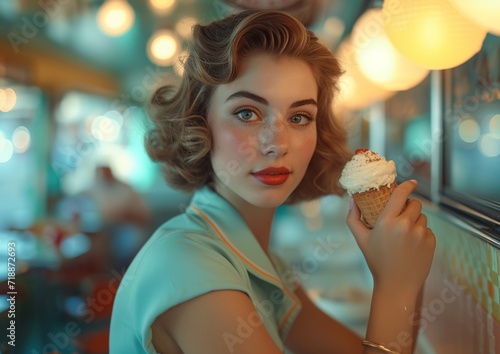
[(80, 196)]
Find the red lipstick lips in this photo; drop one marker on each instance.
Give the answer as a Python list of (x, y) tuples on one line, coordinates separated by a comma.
[(272, 176)]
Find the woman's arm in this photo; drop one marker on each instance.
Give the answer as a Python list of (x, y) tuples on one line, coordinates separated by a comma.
[(399, 252), (223, 321), (313, 331)]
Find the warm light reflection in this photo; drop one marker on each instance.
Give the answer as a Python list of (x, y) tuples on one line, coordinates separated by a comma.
[(432, 34), (162, 7), (333, 27), (485, 13), (8, 99), (356, 91), (162, 48), (494, 125), (468, 130), (378, 60), (21, 139), (489, 145), (6, 150), (185, 27), (115, 17)]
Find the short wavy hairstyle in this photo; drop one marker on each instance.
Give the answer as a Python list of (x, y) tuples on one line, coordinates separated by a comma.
[(180, 139)]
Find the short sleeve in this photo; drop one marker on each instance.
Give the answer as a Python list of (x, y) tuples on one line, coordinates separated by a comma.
[(173, 269)]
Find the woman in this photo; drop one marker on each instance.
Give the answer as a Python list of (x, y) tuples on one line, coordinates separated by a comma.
[(251, 128)]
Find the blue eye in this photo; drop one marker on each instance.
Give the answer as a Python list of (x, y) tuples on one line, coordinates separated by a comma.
[(301, 119), (246, 115)]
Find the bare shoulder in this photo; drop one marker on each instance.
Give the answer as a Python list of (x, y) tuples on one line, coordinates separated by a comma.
[(211, 323)]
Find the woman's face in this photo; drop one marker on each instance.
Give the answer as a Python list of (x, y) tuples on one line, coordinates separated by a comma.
[(263, 130)]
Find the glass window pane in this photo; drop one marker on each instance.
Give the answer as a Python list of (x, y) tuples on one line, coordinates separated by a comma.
[(472, 153), (408, 141), (22, 139)]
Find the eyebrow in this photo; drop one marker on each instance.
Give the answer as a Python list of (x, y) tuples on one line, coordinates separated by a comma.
[(263, 101)]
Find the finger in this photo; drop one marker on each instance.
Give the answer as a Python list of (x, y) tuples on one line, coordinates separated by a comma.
[(422, 221), (398, 198), (357, 227), (412, 210), (429, 236), (419, 228)]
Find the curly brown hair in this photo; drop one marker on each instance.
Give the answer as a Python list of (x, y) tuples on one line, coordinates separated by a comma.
[(181, 140)]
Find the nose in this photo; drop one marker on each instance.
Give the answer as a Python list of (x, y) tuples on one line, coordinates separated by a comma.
[(273, 138)]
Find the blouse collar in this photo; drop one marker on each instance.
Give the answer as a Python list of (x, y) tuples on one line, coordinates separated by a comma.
[(229, 226)]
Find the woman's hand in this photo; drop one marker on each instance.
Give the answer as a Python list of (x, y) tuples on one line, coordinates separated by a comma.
[(400, 247)]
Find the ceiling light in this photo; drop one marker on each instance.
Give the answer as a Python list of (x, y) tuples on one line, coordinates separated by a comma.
[(355, 90), (485, 13), (432, 33), (379, 61), (163, 47), (115, 17), (162, 7)]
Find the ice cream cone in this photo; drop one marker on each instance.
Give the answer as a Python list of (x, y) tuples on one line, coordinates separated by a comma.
[(370, 179), (372, 202)]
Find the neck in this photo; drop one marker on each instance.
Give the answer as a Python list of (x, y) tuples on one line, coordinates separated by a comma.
[(259, 220)]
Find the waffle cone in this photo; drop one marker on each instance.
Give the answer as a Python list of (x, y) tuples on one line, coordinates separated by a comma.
[(372, 202)]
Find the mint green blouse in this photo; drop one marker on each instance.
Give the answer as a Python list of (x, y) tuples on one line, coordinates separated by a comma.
[(209, 247)]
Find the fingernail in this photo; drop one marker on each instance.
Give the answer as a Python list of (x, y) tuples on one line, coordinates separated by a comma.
[(351, 203)]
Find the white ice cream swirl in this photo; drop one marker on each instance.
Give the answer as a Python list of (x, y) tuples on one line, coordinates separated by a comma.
[(367, 170)]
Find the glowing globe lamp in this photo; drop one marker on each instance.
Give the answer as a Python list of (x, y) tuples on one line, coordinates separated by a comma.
[(431, 33), (162, 7), (378, 60), (485, 13), (355, 90), (163, 47), (115, 17)]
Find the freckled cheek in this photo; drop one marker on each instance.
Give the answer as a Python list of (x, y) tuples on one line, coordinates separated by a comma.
[(231, 144), (305, 147)]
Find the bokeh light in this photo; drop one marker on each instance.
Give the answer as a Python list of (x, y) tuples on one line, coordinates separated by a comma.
[(468, 130), (8, 99), (162, 7), (107, 127), (355, 90), (6, 149), (115, 17), (489, 145), (494, 125), (185, 27), (163, 47), (21, 139)]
